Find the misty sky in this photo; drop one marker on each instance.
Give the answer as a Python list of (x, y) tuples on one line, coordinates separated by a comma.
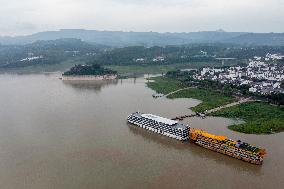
[(18, 17)]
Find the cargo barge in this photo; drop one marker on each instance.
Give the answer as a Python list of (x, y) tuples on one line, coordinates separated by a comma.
[(221, 144)]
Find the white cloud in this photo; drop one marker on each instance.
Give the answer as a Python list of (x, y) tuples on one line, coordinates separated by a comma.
[(23, 17)]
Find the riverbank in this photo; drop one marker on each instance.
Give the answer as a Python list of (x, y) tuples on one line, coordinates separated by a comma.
[(210, 99), (164, 85), (259, 117)]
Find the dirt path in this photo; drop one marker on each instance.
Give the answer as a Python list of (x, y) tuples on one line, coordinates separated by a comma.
[(177, 91), (243, 100)]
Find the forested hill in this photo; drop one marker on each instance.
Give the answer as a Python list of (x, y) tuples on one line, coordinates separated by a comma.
[(91, 69), (45, 52), (139, 55), (273, 39), (42, 53), (121, 39)]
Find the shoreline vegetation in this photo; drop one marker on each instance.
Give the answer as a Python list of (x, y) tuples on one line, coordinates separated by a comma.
[(210, 99), (259, 117)]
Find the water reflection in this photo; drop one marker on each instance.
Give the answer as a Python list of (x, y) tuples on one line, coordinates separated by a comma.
[(96, 86)]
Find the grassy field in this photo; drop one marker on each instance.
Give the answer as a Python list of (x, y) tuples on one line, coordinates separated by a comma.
[(210, 99), (259, 117), (164, 85)]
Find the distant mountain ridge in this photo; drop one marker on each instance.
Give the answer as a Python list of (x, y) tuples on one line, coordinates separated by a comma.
[(121, 39), (45, 52)]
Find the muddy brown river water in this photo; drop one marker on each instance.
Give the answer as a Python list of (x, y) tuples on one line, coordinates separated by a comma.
[(74, 135)]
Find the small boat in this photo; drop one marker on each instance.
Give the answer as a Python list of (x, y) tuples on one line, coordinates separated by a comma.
[(158, 95)]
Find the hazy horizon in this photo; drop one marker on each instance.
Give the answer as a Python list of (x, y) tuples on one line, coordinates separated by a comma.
[(31, 16), (57, 30)]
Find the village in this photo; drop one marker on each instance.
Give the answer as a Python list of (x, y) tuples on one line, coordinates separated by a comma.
[(264, 75)]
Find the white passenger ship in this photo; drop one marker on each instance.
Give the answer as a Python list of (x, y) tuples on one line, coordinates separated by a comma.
[(160, 125)]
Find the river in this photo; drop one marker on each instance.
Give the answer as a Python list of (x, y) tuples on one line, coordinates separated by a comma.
[(71, 135)]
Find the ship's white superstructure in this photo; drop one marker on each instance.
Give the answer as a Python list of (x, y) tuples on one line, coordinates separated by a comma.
[(160, 125)]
